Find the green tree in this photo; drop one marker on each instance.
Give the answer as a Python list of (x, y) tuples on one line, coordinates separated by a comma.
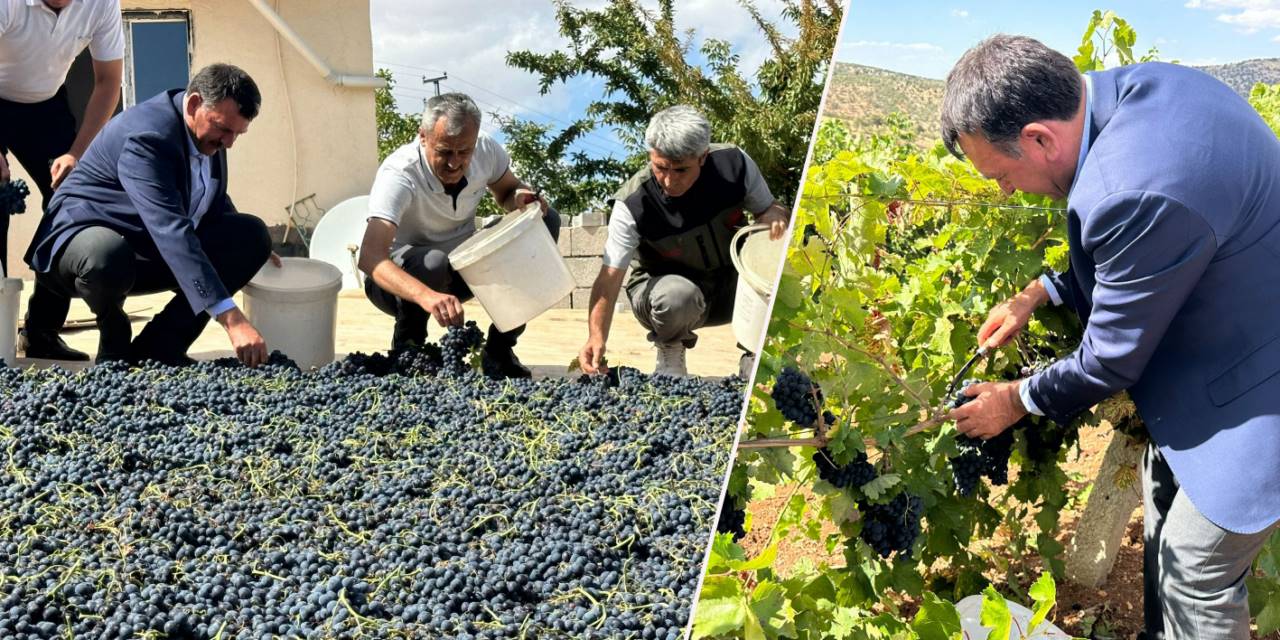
[(647, 63), (572, 181), (394, 128), (1266, 99)]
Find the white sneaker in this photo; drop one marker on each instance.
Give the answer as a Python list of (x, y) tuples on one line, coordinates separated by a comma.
[(746, 363), (671, 361)]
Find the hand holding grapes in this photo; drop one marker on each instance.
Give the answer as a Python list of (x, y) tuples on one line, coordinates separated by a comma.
[(995, 407)]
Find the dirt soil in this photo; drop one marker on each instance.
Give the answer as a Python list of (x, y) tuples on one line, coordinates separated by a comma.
[(1113, 611)]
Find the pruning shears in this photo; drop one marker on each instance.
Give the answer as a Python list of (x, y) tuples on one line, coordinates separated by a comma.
[(982, 352)]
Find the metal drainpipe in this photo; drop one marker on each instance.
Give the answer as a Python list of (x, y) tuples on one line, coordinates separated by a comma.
[(335, 78)]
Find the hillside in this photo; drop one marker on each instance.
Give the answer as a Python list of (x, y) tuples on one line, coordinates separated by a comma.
[(862, 95)]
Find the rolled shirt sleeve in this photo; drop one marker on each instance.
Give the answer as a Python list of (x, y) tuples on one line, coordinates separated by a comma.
[(390, 196), (623, 238), (1150, 251), (222, 306), (107, 42)]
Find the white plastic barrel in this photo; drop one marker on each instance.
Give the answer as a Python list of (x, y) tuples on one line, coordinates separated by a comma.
[(514, 268), (757, 263), (10, 297), (295, 308)]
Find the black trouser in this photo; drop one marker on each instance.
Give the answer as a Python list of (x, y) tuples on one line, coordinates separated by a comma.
[(37, 134), (431, 267), (99, 265)]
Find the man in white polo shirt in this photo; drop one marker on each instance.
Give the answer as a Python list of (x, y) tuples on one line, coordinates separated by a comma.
[(422, 206), (39, 39)]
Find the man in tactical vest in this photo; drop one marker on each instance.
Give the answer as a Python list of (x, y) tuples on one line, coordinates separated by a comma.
[(676, 217)]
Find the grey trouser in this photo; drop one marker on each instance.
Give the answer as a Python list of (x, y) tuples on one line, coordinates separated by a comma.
[(671, 307), (1193, 570), (99, 265), (430, 265)]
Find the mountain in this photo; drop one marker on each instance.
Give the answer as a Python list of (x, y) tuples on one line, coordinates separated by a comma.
[(862, 96), (1241, 76)]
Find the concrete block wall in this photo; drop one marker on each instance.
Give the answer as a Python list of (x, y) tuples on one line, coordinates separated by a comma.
[(582, 245)]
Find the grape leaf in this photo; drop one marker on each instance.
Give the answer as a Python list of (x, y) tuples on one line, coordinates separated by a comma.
[(877, 488), (721, 607), (937, 619), (1045, 595), (995, 614)]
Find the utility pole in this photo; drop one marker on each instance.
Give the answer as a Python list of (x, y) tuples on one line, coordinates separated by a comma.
[(436, 81)]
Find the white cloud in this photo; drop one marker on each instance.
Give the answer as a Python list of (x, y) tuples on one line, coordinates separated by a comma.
[(1249, 16), (959, 13), (470, 42), (918, 47)]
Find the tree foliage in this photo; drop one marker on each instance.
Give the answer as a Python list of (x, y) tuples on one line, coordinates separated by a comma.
[(646, 63), (572, 181), (1266, 99), (394, 128)]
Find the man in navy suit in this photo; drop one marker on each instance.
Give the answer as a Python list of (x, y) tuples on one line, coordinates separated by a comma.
[(1172, 185), (146, 210)]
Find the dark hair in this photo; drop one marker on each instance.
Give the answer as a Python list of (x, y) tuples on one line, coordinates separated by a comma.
[(1003, 84), (219, 81)]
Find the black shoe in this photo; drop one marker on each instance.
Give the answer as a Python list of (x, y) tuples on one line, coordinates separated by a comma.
[(503, 363), (48, 347)]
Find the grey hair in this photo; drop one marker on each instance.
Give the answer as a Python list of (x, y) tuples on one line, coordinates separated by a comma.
[(1003, 84), (678, 133), (458, 110)]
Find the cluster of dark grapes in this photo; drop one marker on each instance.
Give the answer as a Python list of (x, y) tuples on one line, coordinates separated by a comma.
[(979, 457), (457, 345), (354, 501), (13, 197), (733, 518), (797, 397), (855, 473), (892, 526)]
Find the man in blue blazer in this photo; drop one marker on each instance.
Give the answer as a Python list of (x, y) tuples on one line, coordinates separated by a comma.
[(146, 210), (1172, 185)]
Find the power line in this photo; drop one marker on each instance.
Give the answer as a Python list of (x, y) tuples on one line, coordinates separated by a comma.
[(508, 99), (501, 110)]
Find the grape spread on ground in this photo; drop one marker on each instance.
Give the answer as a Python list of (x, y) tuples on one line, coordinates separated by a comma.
[(355, 501)]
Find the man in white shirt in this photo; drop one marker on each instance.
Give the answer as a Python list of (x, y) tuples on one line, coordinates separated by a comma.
[(39, 39), (676, 217), (422, 206)]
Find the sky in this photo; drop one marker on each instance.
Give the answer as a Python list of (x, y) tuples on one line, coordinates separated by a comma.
[(469, 41), (926, 37)]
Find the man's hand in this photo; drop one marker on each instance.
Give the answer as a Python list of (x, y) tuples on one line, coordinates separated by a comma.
[(250, 348), (446, 309), (526, 196), (275, 260), (4, 169), (61, 168), (996, 407), (1009, 317), (776, 217), (591, 357)]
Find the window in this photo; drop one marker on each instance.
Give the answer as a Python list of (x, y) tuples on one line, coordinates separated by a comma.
[(157, 54)]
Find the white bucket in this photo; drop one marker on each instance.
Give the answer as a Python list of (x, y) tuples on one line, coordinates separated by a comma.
[(514, 268), (757, 264), (295, 308), (970, 610), (10, 298)]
